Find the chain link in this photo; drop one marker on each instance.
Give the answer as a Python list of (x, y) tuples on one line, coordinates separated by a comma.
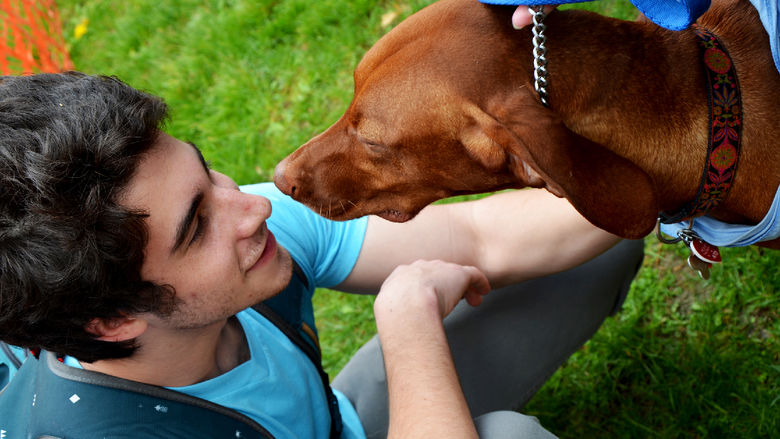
[(540, 52), (687, 235)]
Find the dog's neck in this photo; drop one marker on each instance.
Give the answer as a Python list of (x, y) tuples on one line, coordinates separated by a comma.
[(641, 122), (642, 85)]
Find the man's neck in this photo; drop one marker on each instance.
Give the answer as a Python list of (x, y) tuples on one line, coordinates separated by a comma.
[(181, 358)]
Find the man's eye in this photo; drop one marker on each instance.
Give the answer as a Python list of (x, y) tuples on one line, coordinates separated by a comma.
[(200, 227)]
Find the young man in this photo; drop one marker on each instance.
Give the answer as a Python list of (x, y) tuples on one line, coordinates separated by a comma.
[(121, 251)]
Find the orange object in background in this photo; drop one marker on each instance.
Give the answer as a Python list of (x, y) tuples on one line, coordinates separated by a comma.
[(31, 38)]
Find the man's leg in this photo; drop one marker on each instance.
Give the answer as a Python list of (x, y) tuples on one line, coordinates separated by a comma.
[(510, 425), (505, 349)]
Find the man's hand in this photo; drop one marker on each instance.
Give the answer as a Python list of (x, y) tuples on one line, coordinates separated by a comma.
[(522, 17), (426, 400), (411, 288)]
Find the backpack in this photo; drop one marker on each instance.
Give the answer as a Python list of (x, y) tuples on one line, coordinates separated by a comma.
[(41, 399)]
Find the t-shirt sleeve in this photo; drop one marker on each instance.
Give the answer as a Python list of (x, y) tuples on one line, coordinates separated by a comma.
[(326, 250), (770, 15)]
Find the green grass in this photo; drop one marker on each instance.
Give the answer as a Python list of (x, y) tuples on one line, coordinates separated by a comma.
[(249, 81), (686, 358)]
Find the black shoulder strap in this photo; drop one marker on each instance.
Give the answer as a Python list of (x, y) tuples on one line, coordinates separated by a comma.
[(298, 337), (13, 360), (314, 355)]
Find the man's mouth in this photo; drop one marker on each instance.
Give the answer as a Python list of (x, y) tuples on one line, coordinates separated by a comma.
[(268, 251)]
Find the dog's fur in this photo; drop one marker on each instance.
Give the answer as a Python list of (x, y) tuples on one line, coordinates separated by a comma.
[(444, 105)]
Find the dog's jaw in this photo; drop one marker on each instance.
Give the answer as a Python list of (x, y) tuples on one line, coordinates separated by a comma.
[(342, 207), (396, 216)]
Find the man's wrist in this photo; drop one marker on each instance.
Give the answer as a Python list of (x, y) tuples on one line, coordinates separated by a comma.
[(407, 311)]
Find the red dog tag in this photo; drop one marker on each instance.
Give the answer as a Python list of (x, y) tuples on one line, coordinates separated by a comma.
[(705, 251)]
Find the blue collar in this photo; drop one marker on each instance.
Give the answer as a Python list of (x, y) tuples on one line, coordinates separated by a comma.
[(733, 235)]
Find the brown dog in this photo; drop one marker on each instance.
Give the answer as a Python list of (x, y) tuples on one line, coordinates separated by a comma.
[(444, 105)]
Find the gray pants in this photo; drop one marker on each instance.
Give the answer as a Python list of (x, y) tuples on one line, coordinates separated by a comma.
[(505, 349)]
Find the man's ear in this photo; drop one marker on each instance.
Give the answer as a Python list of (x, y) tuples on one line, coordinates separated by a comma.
[(116, 329)]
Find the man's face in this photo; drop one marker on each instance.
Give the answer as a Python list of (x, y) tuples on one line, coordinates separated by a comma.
[(207, 240)]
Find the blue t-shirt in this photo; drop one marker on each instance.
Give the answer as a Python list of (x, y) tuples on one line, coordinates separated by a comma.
[(279, 387)]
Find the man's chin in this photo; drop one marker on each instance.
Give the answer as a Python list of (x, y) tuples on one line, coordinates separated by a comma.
[(285, 264)]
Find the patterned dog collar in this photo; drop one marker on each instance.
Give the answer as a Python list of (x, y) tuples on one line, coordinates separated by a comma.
[(725, 130)]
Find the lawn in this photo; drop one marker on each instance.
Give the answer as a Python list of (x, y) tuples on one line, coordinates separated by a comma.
[(250, 80)]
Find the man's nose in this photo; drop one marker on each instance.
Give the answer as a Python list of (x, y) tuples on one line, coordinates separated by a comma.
[(249, 211)]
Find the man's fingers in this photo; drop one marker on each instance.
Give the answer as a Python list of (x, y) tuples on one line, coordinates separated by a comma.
[(449, 283), (479, 282), (522, 16), (479, 286)]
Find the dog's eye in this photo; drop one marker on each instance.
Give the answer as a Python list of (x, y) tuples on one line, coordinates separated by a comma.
[(370, 144)]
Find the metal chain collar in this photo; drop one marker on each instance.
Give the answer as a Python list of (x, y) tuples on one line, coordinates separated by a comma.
[(540, 52)]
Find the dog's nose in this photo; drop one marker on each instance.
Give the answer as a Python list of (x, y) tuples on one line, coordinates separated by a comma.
[(280, 180)]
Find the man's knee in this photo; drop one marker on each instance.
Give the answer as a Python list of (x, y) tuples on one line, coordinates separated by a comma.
[(364, 383), (510, 425), (632, 252)]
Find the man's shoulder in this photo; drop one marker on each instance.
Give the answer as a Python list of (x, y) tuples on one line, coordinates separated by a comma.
[(265, 188), (285, 210), (326, 250)]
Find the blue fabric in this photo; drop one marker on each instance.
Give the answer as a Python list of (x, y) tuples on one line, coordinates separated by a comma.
[(325, 250), (733, 235), (671, 14), (279, 387), (679, 14), (768, 11), (7, 370)]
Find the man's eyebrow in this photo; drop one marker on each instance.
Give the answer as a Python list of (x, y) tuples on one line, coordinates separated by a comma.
[(200, 156), (186, 222)]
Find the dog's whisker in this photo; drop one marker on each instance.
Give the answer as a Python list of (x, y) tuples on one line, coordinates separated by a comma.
[(343, 209)]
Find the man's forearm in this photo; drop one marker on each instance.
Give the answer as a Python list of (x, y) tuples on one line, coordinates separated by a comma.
[(426, 400), (511, 237), (530, 233)]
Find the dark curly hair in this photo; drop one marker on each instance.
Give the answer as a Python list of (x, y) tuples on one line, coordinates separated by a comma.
[(69, 253)]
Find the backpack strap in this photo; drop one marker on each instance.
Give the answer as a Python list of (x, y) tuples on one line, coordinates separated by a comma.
[(49, 399), (284, 311), (9, 356), (10, 362)]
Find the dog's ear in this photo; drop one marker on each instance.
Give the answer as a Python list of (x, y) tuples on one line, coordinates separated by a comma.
[(607, 189), (475, 139)]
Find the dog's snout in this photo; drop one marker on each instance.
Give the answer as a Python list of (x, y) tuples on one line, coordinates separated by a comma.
[(280, 179)]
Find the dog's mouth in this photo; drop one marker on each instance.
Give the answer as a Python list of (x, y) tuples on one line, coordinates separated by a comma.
[(343, 211), (395, 216)]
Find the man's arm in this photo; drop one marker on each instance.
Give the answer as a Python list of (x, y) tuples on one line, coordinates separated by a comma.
[(426, 400), (512, 236)]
